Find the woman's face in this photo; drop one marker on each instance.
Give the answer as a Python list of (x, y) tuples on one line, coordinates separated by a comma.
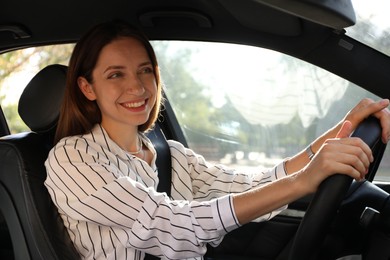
[(124, 85)]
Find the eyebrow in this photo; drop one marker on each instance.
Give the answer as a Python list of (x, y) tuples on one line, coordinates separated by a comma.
[(116, 67), (113, 67)]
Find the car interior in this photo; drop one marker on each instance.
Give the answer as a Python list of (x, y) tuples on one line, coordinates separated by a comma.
[(313, 31)]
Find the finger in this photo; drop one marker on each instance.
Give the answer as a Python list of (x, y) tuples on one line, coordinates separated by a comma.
[(351, 145), (368, 107), (348, 160), (359, 162), (376, 106), (345, 130), (384, 118), (350, 151), (350, 171)]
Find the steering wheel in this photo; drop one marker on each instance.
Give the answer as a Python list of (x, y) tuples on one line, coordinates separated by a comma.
[(330, 193)]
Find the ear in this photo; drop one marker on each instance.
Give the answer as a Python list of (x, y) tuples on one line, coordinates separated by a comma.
[(86, 88)]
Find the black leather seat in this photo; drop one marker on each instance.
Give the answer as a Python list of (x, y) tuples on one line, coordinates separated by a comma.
[(35, 228)]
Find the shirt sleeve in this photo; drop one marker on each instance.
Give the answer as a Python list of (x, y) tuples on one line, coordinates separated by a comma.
[(88, 188), (204, 181)]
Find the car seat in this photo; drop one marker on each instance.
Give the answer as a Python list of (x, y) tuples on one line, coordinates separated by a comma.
[(35, 228)]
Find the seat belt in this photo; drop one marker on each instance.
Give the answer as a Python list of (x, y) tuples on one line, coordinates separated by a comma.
[(163, 163), (163, 160)]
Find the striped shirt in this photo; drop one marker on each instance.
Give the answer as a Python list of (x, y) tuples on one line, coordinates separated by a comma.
[(108, 201)]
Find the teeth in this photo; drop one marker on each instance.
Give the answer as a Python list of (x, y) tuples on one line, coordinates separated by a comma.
[(136, 104)]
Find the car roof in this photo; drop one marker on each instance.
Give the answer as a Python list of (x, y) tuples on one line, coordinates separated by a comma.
[(30, 23), (47, 21)]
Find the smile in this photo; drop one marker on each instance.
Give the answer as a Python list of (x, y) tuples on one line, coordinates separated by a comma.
[(134, 104)]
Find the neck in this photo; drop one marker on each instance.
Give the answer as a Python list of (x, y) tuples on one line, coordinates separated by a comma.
[(139, 149), (125, 137)]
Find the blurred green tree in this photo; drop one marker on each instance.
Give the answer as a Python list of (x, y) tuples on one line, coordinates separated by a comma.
[(11, 63)]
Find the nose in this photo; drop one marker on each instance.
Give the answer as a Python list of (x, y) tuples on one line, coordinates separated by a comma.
[(135, 86)]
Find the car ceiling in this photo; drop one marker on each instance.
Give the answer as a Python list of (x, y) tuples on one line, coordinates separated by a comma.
[(243, 21)]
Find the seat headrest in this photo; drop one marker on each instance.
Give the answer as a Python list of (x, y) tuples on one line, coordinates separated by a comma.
[(40, 102)]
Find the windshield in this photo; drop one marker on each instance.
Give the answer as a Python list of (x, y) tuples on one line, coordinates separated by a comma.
[(372, 24)]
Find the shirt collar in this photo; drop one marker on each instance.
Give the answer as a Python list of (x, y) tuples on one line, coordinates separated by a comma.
[(101, 136)]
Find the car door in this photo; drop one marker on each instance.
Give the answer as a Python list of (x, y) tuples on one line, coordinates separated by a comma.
[(250, 108)]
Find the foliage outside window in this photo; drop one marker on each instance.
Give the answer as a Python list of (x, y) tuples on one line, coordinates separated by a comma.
[(16, 70)]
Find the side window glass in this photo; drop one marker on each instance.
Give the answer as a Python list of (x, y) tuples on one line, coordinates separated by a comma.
[(248, 107), (16, 70)]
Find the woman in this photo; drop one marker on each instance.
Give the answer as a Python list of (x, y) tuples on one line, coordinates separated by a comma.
[(102, 174)]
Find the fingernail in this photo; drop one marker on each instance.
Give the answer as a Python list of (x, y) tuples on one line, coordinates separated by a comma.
[(384, 101)]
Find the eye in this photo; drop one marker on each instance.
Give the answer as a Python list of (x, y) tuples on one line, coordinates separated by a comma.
[(115, 75), (146, 70)]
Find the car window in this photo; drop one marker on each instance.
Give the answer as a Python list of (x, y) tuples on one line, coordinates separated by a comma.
[(17, 68), (249, 107), (242, 106), (372, 24)]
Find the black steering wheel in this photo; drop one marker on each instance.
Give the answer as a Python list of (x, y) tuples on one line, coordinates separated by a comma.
[(327, 199)]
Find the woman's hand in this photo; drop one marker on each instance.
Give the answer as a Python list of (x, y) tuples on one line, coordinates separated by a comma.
[(367, 107), (343, 155), (362, 110)]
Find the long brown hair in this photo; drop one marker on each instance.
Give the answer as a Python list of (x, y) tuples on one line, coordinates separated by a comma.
[(78, 114)]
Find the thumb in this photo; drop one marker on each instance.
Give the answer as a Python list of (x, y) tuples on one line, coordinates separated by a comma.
[(345, 130)]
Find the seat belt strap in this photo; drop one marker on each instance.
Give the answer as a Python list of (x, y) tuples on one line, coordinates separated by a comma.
[(163, 163), (163, 160)]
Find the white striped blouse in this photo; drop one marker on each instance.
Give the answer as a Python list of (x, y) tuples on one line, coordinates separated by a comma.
[(108, 201)]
